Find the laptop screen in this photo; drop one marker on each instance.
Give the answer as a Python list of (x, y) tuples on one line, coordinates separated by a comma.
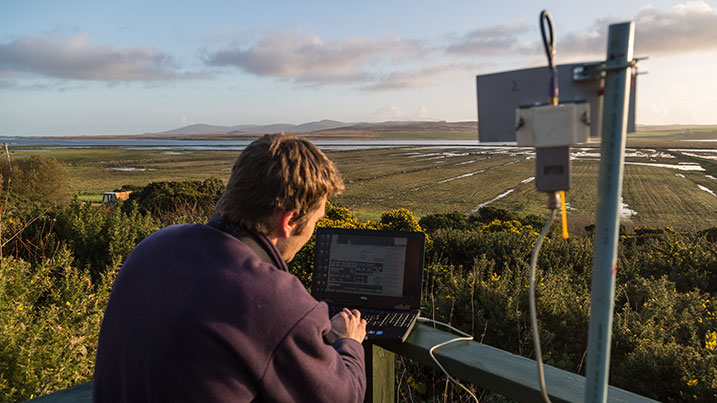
[(381, 269)]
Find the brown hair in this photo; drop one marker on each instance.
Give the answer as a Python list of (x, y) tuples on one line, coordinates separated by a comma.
[(277, 173)]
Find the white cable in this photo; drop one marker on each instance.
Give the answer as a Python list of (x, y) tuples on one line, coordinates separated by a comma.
[(467, 337), (533, 321), (533, 314)]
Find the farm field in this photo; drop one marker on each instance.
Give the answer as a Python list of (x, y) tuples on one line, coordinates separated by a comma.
[(662, 186)]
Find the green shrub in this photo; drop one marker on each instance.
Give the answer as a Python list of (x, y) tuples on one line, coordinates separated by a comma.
[(488, 214), (101, 237), (687, 259), (399, 220), (477, 280), (434, 222), (36, 178), (50, 314), (56, 275), (179, 202)]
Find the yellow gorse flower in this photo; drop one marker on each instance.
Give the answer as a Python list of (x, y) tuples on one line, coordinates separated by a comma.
[(711, 341)]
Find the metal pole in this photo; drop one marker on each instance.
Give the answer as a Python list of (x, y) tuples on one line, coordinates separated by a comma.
[(614, 125)]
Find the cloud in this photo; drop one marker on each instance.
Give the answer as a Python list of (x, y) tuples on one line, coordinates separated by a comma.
[(74, 57), (687, 27), (59, 86), (496, 39), (306, 58), (394, 113), (185, 121), (428, 76), (589, 42)]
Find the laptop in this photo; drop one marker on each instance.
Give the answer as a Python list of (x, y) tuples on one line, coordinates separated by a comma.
[(377, 272)]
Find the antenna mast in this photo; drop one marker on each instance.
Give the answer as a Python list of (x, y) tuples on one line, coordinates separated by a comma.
[(619, 64)]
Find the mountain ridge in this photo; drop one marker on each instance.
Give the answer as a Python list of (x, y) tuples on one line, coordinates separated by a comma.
[(323, 126), (202, 128)]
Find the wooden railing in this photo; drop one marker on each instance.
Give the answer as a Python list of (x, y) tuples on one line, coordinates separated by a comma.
[(487, 367), (499, 371)]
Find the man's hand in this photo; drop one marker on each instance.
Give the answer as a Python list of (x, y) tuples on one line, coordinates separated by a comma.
[(347, 324)]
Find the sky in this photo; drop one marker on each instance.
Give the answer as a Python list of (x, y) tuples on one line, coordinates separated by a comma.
[(92, 67)]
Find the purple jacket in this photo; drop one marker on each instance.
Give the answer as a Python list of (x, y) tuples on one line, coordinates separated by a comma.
[(195, 315)]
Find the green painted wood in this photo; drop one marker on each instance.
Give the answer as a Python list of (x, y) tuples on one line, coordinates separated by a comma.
[(501, 372), (380, 374), (81, 393)]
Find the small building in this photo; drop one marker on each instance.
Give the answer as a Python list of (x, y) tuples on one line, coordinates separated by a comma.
[(109, 198)]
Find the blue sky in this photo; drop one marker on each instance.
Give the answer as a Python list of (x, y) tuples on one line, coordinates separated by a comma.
[(90, 67)]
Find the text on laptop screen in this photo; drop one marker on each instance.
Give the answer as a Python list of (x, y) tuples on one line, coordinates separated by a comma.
[(368, 268), (363, 264)]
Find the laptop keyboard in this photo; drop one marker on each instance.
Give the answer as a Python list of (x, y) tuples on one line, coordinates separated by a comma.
[(377, 318)]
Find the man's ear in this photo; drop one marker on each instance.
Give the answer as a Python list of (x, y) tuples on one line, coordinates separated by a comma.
[(285, 224)]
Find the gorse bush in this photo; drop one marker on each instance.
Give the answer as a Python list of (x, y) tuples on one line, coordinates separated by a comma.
[(664, 322), (661, 336), (476, 278), (55, 276), (50, 315), (178, 202), (687, 259), (97, 237), (101, 237), (36, 178), (59, 263)]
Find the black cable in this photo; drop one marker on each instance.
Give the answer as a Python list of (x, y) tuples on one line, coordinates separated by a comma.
[(549, 45)]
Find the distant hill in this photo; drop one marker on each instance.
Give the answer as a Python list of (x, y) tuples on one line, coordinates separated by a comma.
[(408, 127), (326, 128), (249, 129), (197, 129)]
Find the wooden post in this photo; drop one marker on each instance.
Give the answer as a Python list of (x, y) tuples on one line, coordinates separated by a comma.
[(380, 374)]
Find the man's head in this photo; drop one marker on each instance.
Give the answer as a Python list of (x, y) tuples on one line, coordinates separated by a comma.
[(274, 175)]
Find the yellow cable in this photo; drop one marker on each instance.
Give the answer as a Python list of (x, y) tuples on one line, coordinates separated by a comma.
[(565, 216)]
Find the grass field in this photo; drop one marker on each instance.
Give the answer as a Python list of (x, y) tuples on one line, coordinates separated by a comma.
[(95, 171), (429, 180)]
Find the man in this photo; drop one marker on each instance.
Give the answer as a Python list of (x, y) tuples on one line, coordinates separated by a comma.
[(210, 312)]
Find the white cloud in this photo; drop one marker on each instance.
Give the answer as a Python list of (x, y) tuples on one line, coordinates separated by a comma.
[(185, 121), (74, 57), (391, 113), (687, 27), (496, 39), (306, 58), (56, 85), (420, 78)]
